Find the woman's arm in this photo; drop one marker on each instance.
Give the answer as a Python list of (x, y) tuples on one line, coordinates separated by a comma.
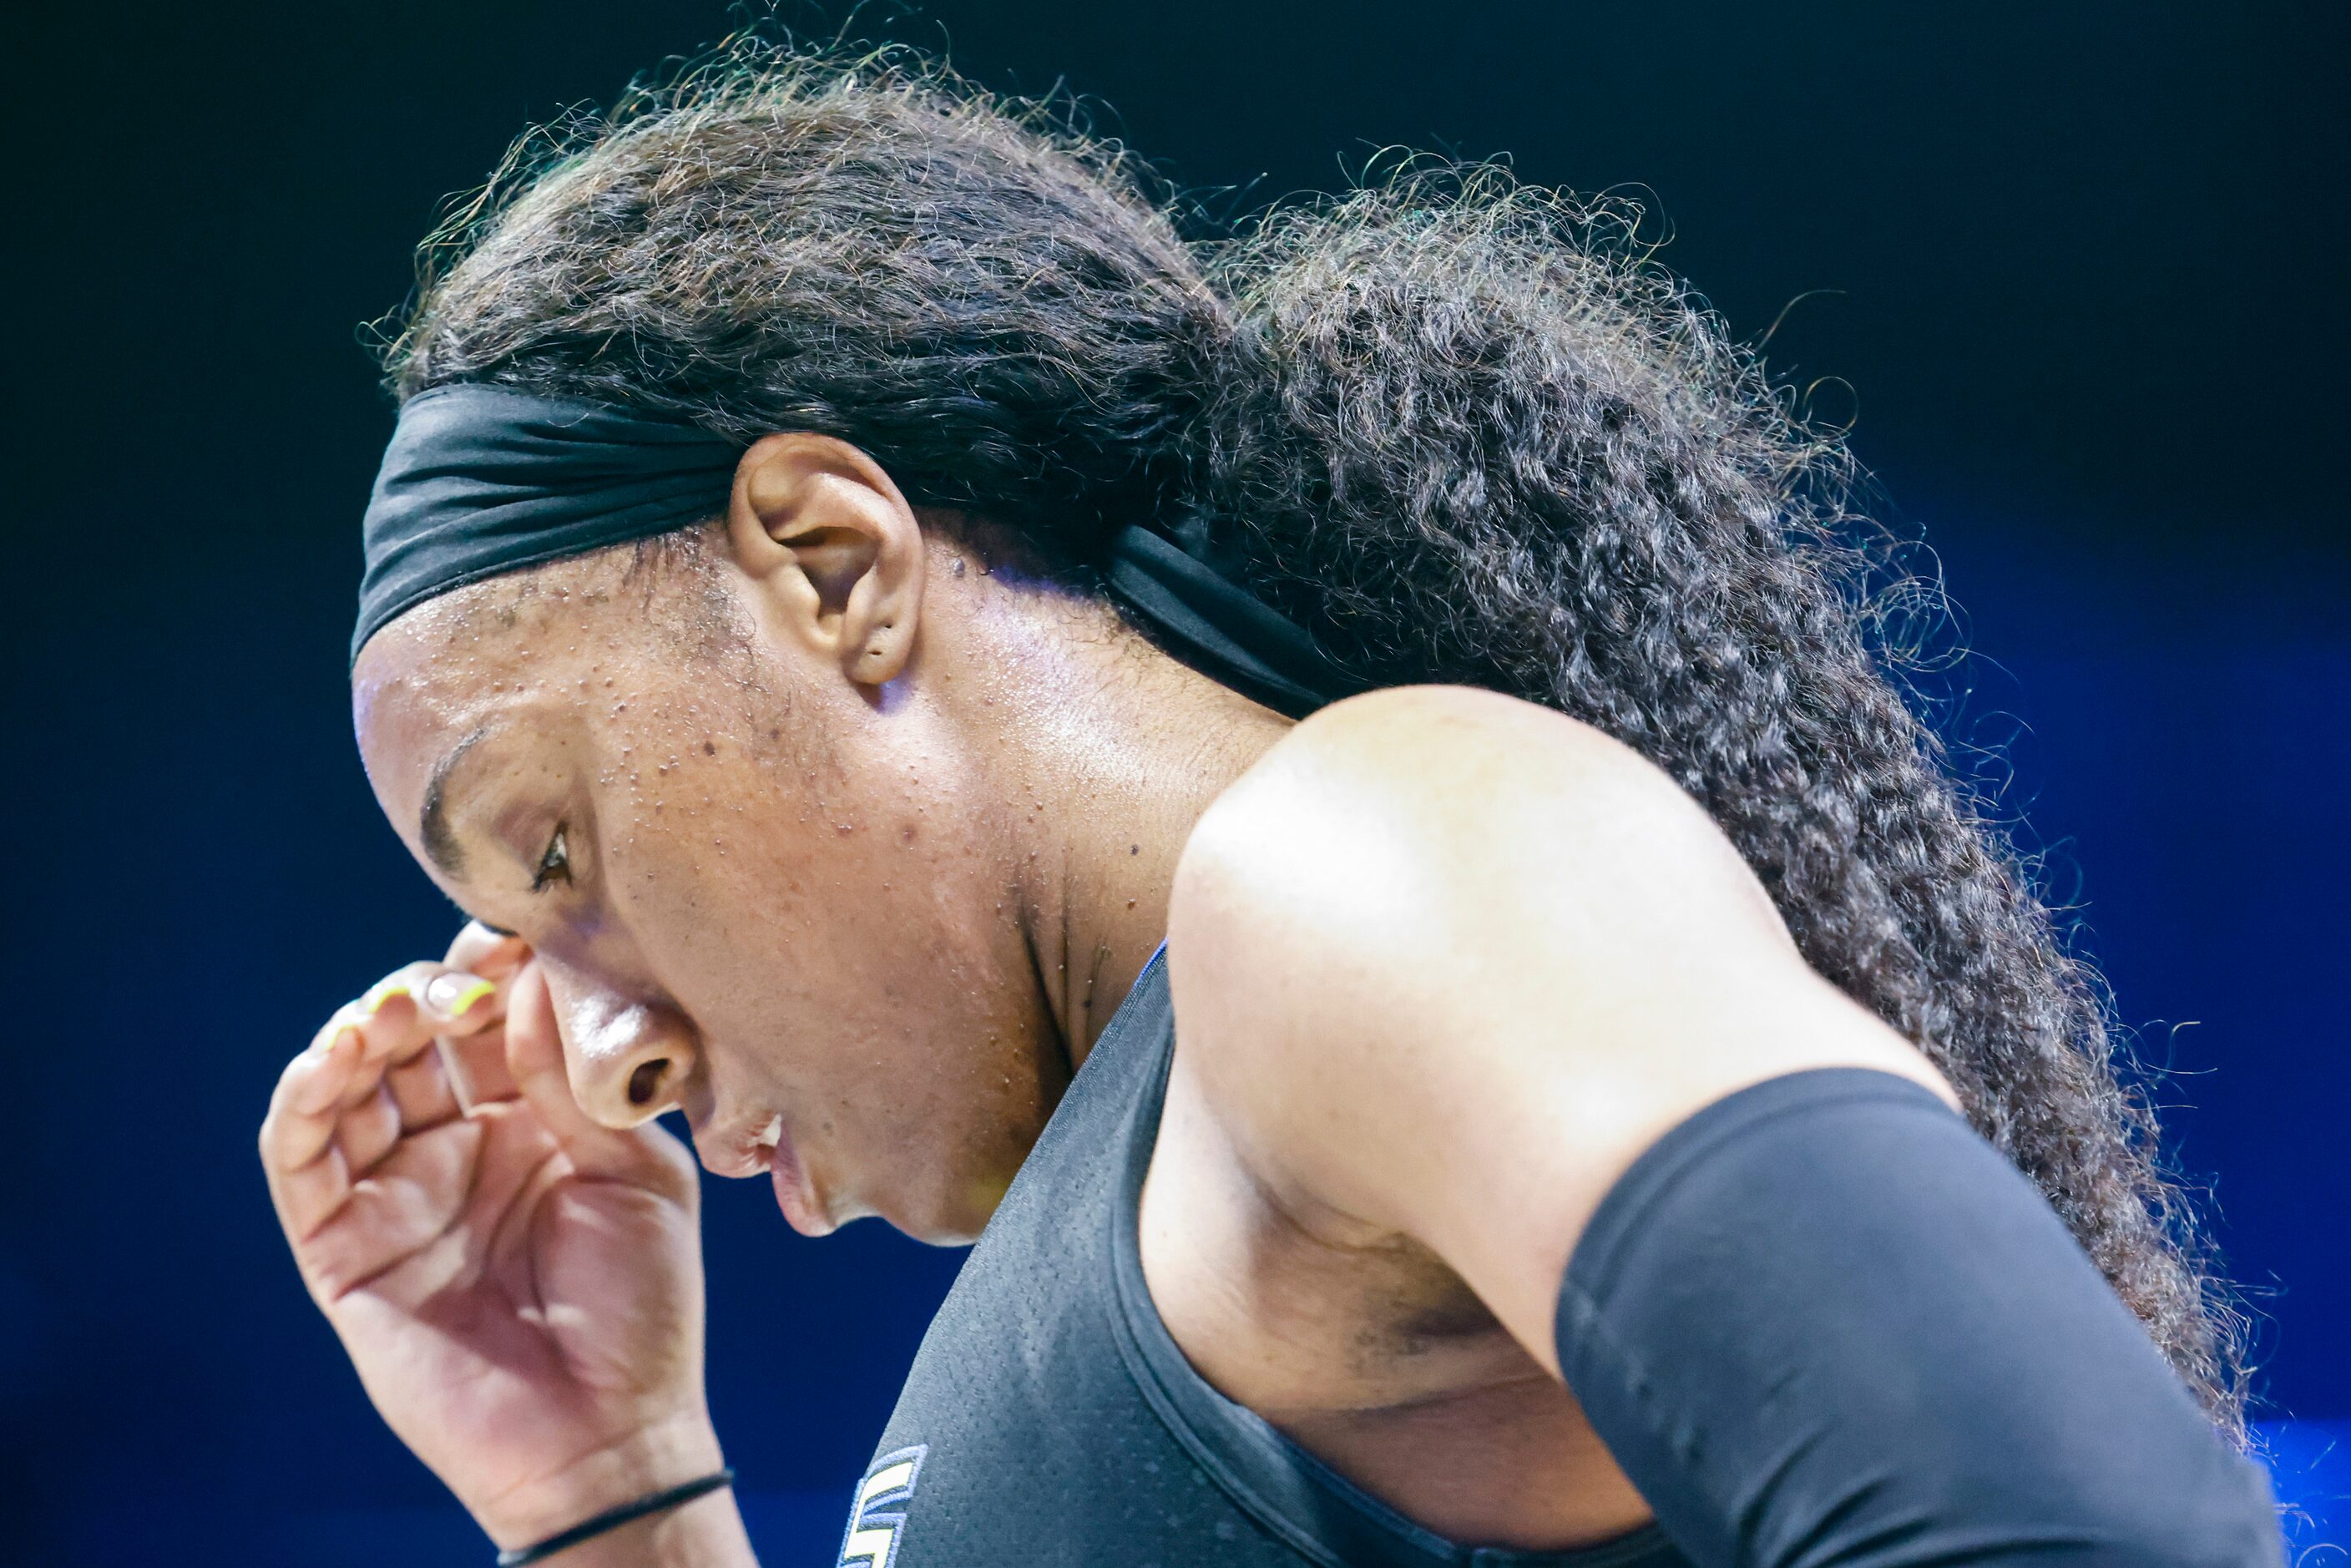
[(1451, 966)]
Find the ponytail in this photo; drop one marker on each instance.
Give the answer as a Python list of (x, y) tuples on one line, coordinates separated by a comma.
[(1473, 434)]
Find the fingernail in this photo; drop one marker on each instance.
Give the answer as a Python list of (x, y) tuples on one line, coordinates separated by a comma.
[(379, 993), (336, 1036), (453, 996)]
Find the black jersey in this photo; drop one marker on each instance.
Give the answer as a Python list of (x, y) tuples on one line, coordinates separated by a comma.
[(1051, 1421)]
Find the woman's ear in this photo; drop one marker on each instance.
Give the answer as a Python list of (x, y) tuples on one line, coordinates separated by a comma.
[(834, 549)]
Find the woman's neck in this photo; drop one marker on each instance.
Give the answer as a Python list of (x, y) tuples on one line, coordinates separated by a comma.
[(1105, 753)]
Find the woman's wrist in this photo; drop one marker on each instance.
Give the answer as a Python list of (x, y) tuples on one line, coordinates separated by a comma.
[(704, 1532), (651, 1459)]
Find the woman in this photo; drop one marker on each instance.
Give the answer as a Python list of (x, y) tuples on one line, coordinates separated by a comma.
[(849, 581)]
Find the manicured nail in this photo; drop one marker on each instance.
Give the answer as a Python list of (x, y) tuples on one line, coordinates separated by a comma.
[(343, 1029), (379, 993), (453, 996)]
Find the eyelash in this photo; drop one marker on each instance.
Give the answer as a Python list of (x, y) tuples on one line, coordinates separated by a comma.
[(554, 862)]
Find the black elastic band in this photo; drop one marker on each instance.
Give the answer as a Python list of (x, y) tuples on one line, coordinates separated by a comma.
[(1202, 617), (612, 1518)]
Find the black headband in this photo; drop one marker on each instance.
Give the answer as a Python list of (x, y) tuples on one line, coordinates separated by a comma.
[(481, 480)]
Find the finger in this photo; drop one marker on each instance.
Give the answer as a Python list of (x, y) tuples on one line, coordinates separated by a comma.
[(416, 1000), (424, 1093), (367, 1131), (398, 1022), (385, 1016), (493, 955), (535, 1057), (307, 1176), (313, 1086), (311, 1195), (300, 1126), (344, 1064), (405, 1010), (409, 1202), (344, 1067), (476, 1065)]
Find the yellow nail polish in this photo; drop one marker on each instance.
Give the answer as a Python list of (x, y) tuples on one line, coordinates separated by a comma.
[(381, 993), (460, 1002)]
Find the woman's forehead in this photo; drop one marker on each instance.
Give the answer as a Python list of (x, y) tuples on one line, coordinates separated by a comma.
[(440, 676), (486, 636), (535, 662)]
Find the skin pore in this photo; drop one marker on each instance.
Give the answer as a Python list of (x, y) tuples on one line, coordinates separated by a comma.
[(835, 890)]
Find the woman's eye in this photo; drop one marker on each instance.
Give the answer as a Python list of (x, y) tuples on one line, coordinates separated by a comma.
[(554, 864)]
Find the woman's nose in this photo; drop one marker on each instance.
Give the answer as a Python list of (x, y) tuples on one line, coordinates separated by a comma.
[(628, 1060)]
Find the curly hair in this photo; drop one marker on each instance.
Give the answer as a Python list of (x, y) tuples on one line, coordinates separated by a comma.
[(1465, 430)]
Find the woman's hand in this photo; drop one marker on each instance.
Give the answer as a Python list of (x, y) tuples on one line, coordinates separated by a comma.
[(519, 1288)]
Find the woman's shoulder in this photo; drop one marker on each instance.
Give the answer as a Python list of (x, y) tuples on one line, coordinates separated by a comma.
[(1443, 963), (1393, 727), (1400, 740), (1421, 862), (1441, 778)]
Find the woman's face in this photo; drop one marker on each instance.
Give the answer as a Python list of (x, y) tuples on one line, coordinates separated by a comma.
[(774, 900)]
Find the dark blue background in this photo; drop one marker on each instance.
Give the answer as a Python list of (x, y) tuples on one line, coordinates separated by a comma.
[(2087, 265)]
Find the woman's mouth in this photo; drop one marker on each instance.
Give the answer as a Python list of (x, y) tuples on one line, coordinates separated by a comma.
[(795, 1193), (743, 1148)]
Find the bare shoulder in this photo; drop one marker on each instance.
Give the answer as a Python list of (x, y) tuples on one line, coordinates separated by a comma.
[(1408, 738), (1440, 945), (1372, 822)]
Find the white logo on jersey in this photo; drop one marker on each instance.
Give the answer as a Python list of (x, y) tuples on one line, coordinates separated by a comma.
[(873, 1538)]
